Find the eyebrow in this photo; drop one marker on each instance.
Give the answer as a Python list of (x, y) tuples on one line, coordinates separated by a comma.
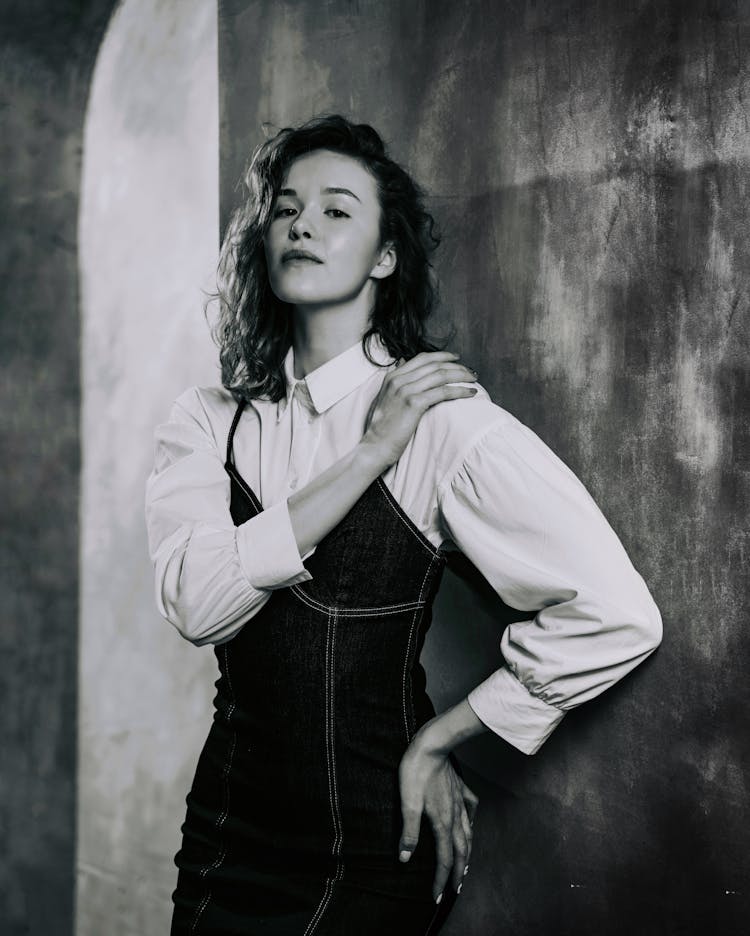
[(331, 190)]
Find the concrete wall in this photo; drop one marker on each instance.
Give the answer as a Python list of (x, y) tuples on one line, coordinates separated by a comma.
[(47, 52), (589, 164), (148, 246)]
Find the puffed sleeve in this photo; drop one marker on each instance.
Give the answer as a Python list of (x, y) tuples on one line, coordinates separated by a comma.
[(533, 530), (211, 576)]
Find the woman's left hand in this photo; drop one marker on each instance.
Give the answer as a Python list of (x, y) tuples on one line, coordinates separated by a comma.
[(429, 784)]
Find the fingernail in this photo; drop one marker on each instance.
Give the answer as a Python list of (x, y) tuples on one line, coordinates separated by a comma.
[(439, 898), (466, 870), (458, 889), (404, 856)]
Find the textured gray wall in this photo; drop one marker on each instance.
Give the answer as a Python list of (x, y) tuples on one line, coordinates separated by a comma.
[(589, 165), (47, 51)]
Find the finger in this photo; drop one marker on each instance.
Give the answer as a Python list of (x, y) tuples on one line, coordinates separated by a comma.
[(426, 357), (441, 394), (468, 835), (461, 867), (412, 818), (406, 387), (431, 375), (459, 830), (444, 855), (417, 365), (460, 850), (412, 371), (471, 801)]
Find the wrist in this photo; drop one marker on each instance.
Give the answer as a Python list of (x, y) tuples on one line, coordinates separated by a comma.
[(371, 459), (449, 729)]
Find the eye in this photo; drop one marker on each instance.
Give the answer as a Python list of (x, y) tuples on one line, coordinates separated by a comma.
[(337, 213), (285, 212)]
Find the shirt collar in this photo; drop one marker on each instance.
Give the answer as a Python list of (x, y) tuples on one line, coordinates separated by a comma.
[(335, 379)]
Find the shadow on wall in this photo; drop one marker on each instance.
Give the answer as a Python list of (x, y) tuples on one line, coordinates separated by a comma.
[(47, 53)]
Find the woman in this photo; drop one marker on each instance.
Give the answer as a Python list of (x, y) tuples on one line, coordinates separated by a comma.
[(298, 519)]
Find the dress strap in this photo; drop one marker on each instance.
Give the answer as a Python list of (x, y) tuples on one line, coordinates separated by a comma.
[(230, 440)]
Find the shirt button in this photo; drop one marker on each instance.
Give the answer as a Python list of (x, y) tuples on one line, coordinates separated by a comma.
[(293, 483)]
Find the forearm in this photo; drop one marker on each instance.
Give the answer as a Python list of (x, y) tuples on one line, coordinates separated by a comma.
[(200, 585), (315, 509), (449, 729)]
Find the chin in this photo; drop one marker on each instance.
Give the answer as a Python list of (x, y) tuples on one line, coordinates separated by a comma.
[(300, 294), (301, 297)]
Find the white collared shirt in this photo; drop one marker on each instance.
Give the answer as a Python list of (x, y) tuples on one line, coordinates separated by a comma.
[(472, 477)]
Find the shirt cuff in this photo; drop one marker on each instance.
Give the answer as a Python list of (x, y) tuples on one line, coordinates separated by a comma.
[(268, 551), (508, 708)]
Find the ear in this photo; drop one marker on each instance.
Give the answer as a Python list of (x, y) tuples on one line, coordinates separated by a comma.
[(386, 264)]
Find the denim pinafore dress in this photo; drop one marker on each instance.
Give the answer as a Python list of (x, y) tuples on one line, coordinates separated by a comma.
[(294, 815)]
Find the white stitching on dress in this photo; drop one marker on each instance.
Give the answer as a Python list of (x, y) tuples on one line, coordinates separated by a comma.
[(334, 612), (332, 784), (319, 606), (421, 600), (348, 612), (202, 906), (334, 769), (311, 602), (427, 546), (240, 480), (377, 612), (420, 537), (224, 814), (408, 654)]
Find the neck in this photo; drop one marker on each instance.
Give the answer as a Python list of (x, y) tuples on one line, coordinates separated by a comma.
[(322, 332)]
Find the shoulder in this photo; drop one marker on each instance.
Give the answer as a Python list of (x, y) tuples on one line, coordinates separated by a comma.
[(450, 430), (209, 409), (475, 438)]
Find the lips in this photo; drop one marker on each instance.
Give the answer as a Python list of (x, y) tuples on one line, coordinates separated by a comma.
[(299, 255)]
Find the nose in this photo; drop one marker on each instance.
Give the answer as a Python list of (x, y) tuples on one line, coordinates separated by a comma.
[(301, 227)]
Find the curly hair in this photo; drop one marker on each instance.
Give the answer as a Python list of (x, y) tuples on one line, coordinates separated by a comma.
[(253, 327)]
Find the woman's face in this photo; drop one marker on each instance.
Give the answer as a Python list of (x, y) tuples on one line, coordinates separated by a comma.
[(328, 209)]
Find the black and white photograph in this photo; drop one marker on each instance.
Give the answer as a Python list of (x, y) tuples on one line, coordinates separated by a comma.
[(375, 468)]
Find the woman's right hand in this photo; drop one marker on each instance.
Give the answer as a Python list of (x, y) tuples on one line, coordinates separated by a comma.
[(407, 392)]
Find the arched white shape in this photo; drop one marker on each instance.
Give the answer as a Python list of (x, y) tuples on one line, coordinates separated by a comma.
[(148, 243)]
